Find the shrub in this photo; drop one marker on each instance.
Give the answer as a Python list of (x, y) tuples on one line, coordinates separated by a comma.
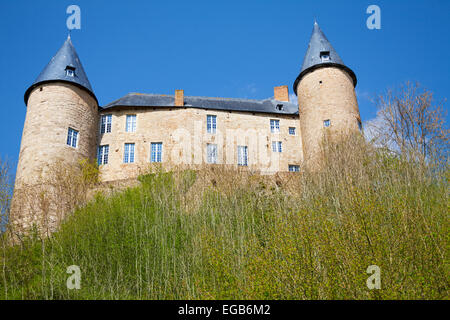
[(221, 234)]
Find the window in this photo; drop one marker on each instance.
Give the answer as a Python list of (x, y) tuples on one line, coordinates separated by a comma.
[(292, 131), (276, 146), (70, 71), (326, 123), (325, 56), (72, 138), (294, 168), (128, 155), (360, 125), (211, 152), (211, 124), (274, 126), (102, 156), (242, 156), (279, 107), (105, 123), (131, 123), (156, 152)]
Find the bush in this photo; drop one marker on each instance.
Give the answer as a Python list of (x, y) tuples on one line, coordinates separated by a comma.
[(220, 234)]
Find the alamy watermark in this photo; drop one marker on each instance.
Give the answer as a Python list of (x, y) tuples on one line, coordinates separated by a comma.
[(374, 20), (189, 147), (74, 281), (74, 20), (374, 281)]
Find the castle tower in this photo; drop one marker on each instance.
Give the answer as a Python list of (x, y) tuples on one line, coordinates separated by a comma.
[(326, 95), (60, 125)]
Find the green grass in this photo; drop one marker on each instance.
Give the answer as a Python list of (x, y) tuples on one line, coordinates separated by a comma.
[(212, 234)]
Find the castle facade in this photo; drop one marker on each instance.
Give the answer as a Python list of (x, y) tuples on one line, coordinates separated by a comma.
[(64, 121)]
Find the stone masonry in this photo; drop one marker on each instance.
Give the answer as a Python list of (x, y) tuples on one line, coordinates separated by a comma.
[(62, 99), (325, 94), (184, 138)]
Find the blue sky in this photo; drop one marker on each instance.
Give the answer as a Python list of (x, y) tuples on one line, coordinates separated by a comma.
[(217, 48)]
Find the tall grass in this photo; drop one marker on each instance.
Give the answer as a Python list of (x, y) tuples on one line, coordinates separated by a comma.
[(220, 234)]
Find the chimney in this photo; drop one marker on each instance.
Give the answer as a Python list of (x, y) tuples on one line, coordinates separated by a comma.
[(179, 98), (281, 93)]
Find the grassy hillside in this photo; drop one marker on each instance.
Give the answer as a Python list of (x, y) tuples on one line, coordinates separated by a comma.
[(215, 234)]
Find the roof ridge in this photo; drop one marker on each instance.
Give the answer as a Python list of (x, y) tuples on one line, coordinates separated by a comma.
[(268, 105), (204, 97), (225, 98), (148, 94)]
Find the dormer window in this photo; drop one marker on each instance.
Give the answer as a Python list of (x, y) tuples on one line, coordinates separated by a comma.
[(279, 107), (325, 56), (70, 71)]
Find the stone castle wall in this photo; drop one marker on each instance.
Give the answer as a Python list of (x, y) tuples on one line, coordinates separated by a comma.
[(52, 108), (184, 135), (325, 94)]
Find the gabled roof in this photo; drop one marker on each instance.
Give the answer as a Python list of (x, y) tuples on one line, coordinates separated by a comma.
[(318, 44), (56, 70), (228, 104)]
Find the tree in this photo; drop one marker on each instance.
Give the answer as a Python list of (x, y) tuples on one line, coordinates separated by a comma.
[(6, 188), (410, 123)]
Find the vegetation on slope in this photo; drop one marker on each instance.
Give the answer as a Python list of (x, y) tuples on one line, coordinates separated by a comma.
[(216, 234)]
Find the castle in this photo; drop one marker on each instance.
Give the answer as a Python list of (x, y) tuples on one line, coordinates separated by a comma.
[(64, 121)]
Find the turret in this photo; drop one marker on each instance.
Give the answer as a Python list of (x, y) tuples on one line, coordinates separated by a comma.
[(60, 125), (326, 94)]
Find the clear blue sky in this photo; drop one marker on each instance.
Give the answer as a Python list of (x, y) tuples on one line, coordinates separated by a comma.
[(217, 48)]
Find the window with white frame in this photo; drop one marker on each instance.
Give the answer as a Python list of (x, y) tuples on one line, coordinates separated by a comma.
[(211, 153), (211, 123), (276, 146), (326, 123), (274, 126), (130, 123), (102, 155), (294, 168), (156, 152), (105, 123), (242, 155), (128, 154), (72, 138), (292, 131)]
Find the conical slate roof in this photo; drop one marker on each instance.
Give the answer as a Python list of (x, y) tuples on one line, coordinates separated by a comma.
[(56, 70), (321, 54)]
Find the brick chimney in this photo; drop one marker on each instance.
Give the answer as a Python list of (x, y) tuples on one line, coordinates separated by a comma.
[(179, 98), (281, 93)]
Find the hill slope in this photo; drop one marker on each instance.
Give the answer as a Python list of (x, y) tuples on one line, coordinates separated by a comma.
[(213, 234)]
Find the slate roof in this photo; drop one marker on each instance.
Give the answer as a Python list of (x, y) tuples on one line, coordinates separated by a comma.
[(56, 70), (228, 104), (317, 44)]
